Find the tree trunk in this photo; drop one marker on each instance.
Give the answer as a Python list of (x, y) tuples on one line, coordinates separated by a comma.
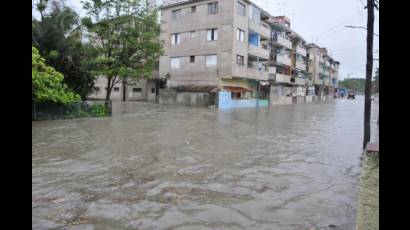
[(124, 86), (108, 94), (369, 70)]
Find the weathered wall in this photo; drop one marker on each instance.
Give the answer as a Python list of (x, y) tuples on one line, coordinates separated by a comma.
[(194, 99), (280, 100), (300, 99)]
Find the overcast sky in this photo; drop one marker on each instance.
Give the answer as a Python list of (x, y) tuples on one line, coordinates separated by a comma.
[(323, 22)]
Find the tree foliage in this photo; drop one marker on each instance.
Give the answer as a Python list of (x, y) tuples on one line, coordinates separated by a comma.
[(356, 84), (58, 36), (47, 83), (126, 39)]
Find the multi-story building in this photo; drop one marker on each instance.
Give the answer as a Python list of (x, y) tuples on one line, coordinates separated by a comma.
[(224, 44), (237, 47), (324, 70), (289, 57)]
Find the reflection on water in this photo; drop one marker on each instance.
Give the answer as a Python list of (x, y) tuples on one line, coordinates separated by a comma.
[(163, 167)]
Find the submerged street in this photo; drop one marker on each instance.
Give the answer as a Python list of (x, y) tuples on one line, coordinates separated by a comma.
[(164, 167)]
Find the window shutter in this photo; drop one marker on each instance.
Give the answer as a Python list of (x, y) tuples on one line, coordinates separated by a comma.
[(216, 34), (178, 36), (209, 35)]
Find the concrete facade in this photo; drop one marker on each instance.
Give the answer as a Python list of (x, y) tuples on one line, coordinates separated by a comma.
[(236, 46), (142, 90), (238, 63)]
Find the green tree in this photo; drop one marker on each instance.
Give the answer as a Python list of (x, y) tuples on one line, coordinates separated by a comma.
[(356, 84), (47, 83), (125, 37), (58, 36)]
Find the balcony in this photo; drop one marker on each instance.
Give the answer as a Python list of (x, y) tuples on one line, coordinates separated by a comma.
[(281, 40), (254, 73), (300, 81), (300, 65), (301, 50), (272, 70), (258, 51), (260, 28), (283, 59), (282, 78)]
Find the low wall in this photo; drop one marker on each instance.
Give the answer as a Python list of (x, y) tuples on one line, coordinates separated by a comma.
[(300, 99), (194, 99), (225, 102), (167, 96), (309, 98), (281, 100)]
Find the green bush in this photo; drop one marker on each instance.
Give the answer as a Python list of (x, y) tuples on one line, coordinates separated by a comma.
[(76, 111), (98, 110)]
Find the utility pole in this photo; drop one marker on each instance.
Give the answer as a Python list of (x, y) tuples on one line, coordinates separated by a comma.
[(369, 69)]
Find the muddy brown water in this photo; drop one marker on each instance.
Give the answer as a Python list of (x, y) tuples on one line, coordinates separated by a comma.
[(164, 167)]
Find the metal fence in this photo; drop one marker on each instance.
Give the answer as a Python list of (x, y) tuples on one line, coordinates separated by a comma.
[(52, 111)]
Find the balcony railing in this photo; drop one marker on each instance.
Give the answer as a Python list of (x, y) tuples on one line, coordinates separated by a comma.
[(301, 50), (283, 59), (300, 81), (257, 74), (300, 65), (272, 70), (259, 28), (279, 39), (282, 78), (258, 51)]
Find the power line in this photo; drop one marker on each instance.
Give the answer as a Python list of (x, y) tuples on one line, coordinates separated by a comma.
[(336, 26)]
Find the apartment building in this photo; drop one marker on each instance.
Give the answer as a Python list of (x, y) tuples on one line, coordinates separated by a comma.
[(242, 50), (224, 44), (292, 80), (324, 70)]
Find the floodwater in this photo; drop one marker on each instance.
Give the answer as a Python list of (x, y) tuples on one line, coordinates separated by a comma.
[(164, 167)]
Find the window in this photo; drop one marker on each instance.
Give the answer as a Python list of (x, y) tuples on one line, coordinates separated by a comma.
[(174, 63), (193, 34), (255, 14), (176, 14), (240, 35), (116, 89), (97, 89), (212, 35), (241, 9), (254, 39), (193, 9), (211, 60), (240, 60), (213, 8), (192, 59), (136, 90), (152, 90), (175, 39)]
